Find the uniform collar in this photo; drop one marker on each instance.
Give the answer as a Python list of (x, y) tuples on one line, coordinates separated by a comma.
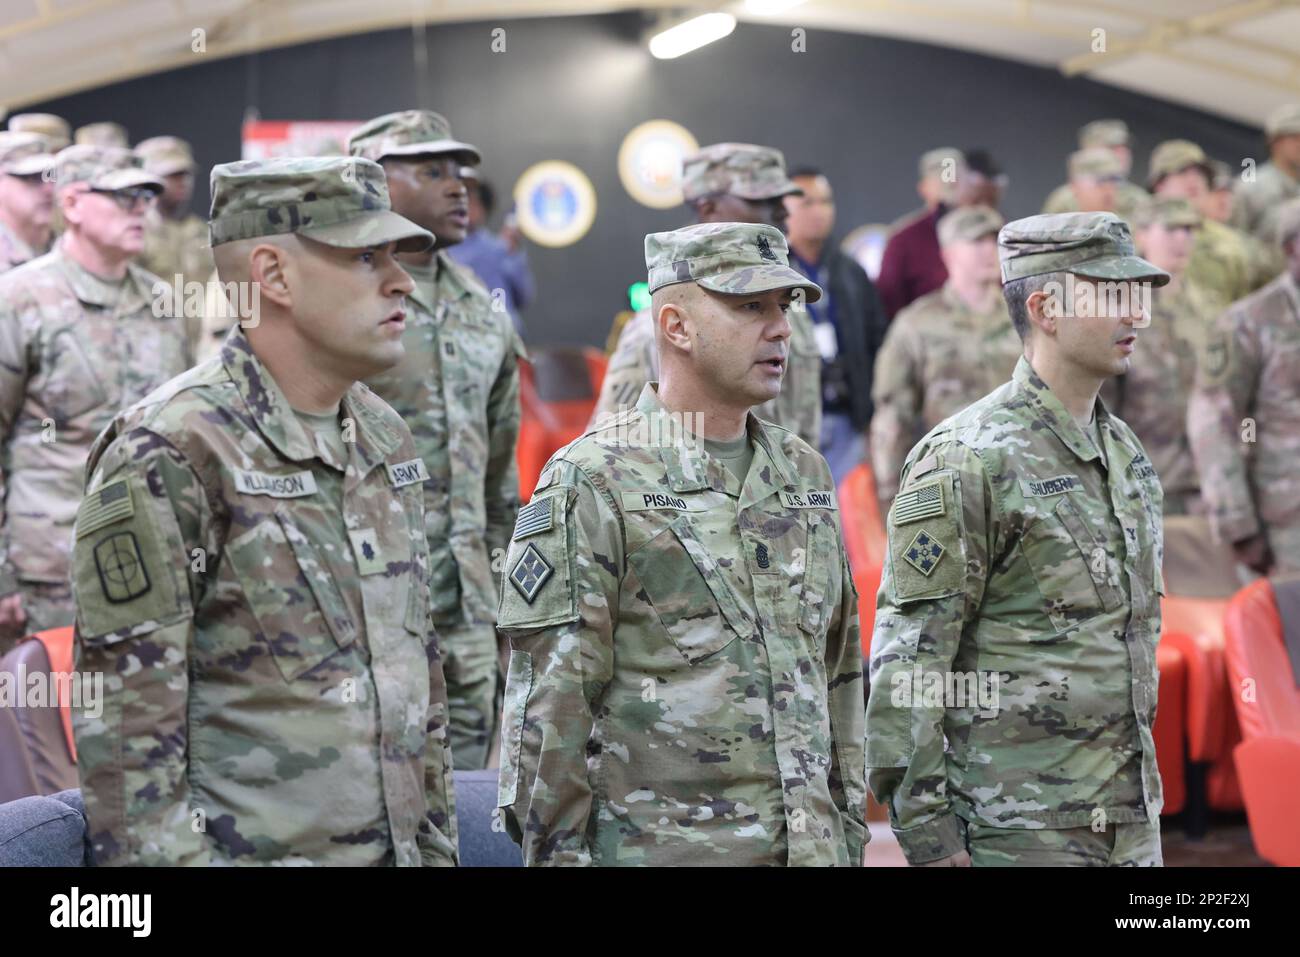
[(689, 471), (1052, 414), (134, 292), (275, 419)]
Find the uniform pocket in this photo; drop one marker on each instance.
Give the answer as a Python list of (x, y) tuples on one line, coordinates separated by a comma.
[(1070, 566), (72, 386), (519, 686), (694, 603), (821, 593), (293, 596)]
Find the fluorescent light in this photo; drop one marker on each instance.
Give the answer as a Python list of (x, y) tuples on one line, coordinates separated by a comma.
[(766, 8), (691, 35)]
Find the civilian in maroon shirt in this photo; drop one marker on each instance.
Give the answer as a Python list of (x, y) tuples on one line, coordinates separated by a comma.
[(912, 266)]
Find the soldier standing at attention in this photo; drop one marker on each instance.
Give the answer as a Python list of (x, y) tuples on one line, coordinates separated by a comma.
[(176, 240), (1242, 417), (946, 349), (685, 674), (81, 338), (250, 563), (26, 198), (1013, 677), (724, 183), (457, 388)]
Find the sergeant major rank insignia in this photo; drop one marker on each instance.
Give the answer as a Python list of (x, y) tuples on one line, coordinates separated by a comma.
[(530, 573)]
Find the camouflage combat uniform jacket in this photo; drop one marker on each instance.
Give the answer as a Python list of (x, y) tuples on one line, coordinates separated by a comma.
[(685, 679), (938, 357), (1256, 203), (13, 251), (274, 691), (1016, 556), (457, 389), (635, 362), (1244, 417), (74, 351)]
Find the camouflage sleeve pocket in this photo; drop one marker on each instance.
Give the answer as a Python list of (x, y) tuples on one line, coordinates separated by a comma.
[(926, 551), (128, 564), (538, 587), (519, 685)]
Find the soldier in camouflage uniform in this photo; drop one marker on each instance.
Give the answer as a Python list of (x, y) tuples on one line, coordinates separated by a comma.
[(250, 563), (685, 679), (457, 388), (81, 338), (729, 182), (176, 241), (1112, 136), (26, 198), (1276, 181), (1152, 397), (946, 349), (1013, 677), (1242, 417), (1226, 262)]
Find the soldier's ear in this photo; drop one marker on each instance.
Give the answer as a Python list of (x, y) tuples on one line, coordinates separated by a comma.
[(69, 197), (268, 268), (671, 319)]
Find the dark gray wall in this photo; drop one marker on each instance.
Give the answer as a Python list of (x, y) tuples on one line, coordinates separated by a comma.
[(862, 108)]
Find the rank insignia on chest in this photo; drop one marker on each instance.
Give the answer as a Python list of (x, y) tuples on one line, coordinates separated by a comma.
[(925, 501), (120, 565), (530, 573), (924, 552)]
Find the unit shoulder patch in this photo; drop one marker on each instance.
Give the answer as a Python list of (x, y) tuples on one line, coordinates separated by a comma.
[(531, 573)]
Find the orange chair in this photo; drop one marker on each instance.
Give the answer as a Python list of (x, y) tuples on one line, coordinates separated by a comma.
[(558, 389), (37, 751), (1170, 726), (1268, 709), (865, 542)]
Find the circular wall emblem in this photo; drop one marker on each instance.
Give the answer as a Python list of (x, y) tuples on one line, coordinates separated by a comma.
[(555, 203), (650, 162)]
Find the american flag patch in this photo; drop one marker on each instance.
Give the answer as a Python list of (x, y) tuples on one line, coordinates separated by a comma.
[(918, 503), (107, 505), (533, 518)]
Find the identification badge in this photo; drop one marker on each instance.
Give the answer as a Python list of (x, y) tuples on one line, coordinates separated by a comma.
[(293, 485), (407, 473), (808, 499), (1038, 488), (658, 501)]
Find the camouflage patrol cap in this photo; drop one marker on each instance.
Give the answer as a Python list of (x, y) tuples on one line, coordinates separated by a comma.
[(55, 129), (409, 133), (1169, 211), (1095, 245), (968, 223), (1104, 133), (165, 155), (337, 200), (1174, 156), (1284, 121), (102, 167), (1288, 220), (741, 169), (937, 161), (734, 258), (24, 154), (1096, 162), (102, 134)]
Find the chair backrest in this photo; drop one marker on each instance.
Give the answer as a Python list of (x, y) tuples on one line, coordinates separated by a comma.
[(558, 388), (1259, 669), (44, 831), (483, 841), (45, 732), (864, 532)]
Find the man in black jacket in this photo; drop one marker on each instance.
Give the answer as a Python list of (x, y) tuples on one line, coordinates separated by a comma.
[(849, 321)]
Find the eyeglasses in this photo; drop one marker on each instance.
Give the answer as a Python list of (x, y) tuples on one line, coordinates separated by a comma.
[(130, 199)]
